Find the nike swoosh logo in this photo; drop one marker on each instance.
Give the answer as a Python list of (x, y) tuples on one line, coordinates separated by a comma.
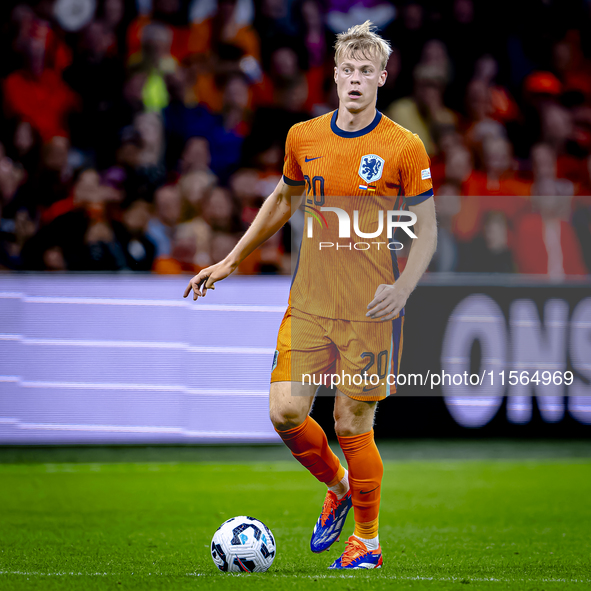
[(366, 492), (306, 159)]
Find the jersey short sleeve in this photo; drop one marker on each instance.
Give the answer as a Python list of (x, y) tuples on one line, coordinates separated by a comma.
[(415, 172), (292, 173)]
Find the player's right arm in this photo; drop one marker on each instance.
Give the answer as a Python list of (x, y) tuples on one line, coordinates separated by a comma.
[(274, 213)]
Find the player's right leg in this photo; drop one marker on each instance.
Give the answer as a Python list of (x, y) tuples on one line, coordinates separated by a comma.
[(303, 349), (290, 403)]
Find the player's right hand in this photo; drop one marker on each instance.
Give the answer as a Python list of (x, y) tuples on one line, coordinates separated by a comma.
[(206, 278)]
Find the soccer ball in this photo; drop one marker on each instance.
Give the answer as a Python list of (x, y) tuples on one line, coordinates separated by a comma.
[(243, 544)]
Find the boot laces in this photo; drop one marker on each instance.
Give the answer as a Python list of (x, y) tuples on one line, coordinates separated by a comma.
[(353, 550), (330, 504)]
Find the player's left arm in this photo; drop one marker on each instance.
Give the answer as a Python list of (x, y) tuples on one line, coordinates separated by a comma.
[(390, 299)]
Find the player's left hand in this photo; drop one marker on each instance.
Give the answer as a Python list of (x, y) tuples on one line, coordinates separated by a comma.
[(387, 302)]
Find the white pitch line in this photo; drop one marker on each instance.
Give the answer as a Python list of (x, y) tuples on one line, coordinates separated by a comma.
[(109, 344), (157, 303), (131, 386), (151, 430), (302, 576)]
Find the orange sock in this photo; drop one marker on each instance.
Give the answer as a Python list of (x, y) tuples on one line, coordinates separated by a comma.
[(365, 479), (310, 448)]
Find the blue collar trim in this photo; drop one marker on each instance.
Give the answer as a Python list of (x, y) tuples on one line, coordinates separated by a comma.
[(351, 134)]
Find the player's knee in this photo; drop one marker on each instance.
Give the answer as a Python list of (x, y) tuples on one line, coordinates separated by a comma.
[(344, 428), (351, 421), (343, 424), (284, 419)]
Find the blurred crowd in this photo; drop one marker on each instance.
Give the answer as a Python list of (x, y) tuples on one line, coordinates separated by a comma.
[(144, 135)]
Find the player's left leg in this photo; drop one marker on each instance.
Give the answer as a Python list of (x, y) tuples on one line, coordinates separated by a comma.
[(369, 352), (354, 429)]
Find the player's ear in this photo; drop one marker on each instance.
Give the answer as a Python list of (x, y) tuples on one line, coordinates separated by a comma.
[(335, 73), (383, 77)]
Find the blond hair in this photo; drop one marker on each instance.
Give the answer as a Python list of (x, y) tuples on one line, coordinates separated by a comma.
[(360, 42)]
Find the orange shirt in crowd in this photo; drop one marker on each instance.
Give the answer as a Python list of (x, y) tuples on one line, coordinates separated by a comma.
[(200, 39), (468, 223), (180, 38), (547, 249), (478, 184), (43, 101)]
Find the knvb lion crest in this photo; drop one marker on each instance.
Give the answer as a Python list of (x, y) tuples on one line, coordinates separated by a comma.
[(371, 168)]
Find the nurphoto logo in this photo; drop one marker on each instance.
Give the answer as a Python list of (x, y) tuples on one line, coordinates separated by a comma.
[(393, 219)]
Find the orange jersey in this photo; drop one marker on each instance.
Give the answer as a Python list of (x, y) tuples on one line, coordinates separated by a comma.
[(380, 168)]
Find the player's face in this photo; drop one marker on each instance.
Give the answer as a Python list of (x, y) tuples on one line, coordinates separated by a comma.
[(358, 82)]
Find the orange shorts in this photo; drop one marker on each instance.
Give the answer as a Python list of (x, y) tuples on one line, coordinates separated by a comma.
[(360, 359)]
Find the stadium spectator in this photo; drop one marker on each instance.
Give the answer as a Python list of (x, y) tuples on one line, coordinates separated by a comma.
[(14, 233), (38, 95), (498, 175), (11, 177), (156, 61), (275, 22), (458, 166), (230, 128), (219, 211), (571, 65), (224, 27), (499, 104), (490, 251), (464, 28), (167, 14), (194, 187), (409, 32), (544, 171), (284, 74), (79, 229), (425, 113), (163, 224), (50, 184), (447, 257), (138, 249), (582, 225), (196, 156), (33, 26), (116, 16), (98, 80), (190, 242), (392, 89), (183, 118), (23, 145), (221, 245), (480, 111), (193, 237), (316, 50), (545, 242), (494, 189), (151, 155)]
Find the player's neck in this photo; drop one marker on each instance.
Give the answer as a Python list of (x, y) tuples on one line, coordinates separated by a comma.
[(348, 121)]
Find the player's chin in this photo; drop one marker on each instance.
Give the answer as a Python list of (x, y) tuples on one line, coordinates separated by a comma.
[(355, 105)]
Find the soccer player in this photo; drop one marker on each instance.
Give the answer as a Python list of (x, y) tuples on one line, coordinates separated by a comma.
[(346, 307)]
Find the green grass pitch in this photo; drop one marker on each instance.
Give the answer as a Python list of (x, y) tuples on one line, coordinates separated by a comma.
[(516, 517)]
